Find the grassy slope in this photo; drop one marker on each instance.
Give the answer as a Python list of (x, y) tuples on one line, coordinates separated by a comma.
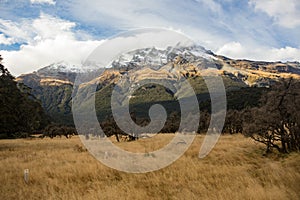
[(59, 169)]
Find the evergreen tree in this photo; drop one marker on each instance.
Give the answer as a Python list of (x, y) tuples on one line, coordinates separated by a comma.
[(20, 112)]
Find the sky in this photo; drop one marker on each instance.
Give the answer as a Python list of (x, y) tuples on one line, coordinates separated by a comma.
[(36, 33)]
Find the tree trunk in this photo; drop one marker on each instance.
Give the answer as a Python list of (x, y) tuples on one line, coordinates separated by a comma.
[(117, 137), (283, 146)]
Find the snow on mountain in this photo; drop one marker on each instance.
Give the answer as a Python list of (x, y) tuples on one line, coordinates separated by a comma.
[(155, 57), (63, 67), (191, 59), (152, 57), (59, 67)]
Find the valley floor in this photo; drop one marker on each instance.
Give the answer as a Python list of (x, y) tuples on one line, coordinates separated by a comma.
[(61, 168)]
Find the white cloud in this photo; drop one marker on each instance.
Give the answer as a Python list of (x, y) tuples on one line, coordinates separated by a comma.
[(32, 30), (21, 32), (206, 21), (51, 2), (196, 18), (232, 49), (48, 39), (285, 13), (238, 51), (137, 39), (125, 14), (285, 54), (5, 40), (47, 27), (140, 13), (211, 4), (30, 58), (51, 39)]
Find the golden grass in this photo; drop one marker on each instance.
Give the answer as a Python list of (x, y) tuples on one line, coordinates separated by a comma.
[(61, 169)]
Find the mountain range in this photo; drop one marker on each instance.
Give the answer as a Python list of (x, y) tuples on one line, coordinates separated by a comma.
[(53, 84)]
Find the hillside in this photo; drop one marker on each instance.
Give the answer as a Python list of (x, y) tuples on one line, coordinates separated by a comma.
[(53, 84)]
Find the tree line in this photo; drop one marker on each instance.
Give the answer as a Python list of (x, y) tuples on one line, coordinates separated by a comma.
[(273, 120)]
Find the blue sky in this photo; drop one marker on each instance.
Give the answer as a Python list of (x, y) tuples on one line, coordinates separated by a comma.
[(35, 33)]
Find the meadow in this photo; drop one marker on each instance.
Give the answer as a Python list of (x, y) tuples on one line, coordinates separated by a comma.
[(61, 168)]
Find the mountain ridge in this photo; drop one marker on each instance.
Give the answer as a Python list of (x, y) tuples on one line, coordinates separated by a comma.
[(192, 56), (54, 83)]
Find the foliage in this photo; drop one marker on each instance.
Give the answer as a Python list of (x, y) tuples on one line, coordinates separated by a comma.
[(246, 97), (56, 100), (233, 122), (20, 112), (54, 130)]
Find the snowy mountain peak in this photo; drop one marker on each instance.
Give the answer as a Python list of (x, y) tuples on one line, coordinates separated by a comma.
[(155, 57), (189, 59), (152, 57), (61, 66)]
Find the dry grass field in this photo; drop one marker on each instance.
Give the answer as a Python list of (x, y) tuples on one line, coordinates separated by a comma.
[(60, 168)]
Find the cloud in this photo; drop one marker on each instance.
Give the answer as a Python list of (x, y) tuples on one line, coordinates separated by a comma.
[(249, 29), (33, 30), (5, 40), (139, 13), (20, 32), (46, 27), (47, 39), (51, 2), (211, 4), (212, 23), (233, 49), (33, 57), (137, 39), (285, 54), (189, 16), (238, 51), (285, 13)]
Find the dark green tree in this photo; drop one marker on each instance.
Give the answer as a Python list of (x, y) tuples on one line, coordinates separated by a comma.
[(20, 112), (233, 122), (111, 128)]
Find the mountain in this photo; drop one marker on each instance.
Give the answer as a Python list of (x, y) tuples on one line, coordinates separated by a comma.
[(192, 60), (53, 84)]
